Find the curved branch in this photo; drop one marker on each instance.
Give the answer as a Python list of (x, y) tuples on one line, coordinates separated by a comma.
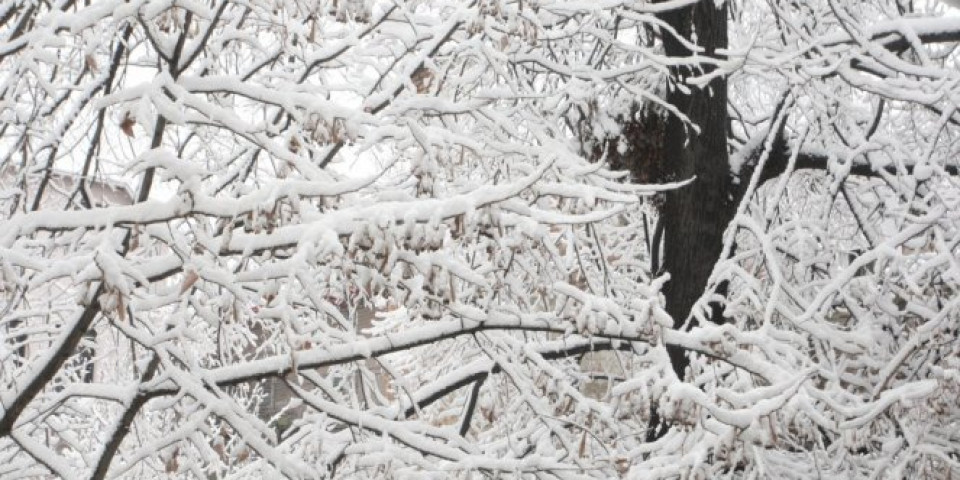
[(122, 427)]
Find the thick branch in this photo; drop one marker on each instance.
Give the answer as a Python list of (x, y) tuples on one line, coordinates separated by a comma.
[(481, 372), (122, 427), (778, 159), (891, 34), (51, 365), (281, 365)]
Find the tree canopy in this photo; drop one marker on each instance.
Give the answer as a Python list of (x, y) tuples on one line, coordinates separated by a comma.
[(611, 239)]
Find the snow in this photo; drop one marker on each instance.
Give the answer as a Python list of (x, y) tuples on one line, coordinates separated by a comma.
[(345, 266)]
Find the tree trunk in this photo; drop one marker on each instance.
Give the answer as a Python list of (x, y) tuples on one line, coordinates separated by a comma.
[(695, 216)]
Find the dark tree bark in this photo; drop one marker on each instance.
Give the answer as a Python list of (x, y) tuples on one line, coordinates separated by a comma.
[(696, 215)]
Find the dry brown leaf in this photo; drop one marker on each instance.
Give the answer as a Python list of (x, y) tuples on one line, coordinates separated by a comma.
[(622, 465), (221, 452), (422, 78), (172, 465), (127, 125), (243, 455), (91, 63), (121, 309), (188, 280)]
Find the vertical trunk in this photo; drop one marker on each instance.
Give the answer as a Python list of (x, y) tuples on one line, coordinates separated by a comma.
[(695, 216)]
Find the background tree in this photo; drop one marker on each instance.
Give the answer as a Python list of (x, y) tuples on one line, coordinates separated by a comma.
[(297, 164)]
